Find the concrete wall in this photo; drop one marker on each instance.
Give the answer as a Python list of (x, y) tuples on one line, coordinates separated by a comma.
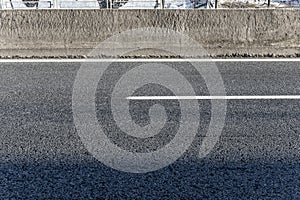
[(67, 32)]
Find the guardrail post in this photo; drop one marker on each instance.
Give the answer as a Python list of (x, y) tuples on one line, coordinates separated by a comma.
[(269, 2), (216, 4), (2, 4)]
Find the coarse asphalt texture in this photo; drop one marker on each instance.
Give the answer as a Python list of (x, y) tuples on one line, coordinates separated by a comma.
[(42, 156)]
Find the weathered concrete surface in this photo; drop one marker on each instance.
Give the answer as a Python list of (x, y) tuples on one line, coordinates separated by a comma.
[(220, 32)]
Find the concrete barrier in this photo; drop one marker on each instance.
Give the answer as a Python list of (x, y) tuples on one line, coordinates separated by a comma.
[(77, 32)]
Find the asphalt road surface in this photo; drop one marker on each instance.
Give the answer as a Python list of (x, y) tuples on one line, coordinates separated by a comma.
[(257, 155)]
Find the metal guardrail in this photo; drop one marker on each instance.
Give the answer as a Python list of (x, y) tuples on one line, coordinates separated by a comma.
[(98, 4), (28, 4), (49, 4), (78, 4), (119, 4)]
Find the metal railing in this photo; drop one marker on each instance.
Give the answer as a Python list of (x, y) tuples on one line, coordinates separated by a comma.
[(49, 4), (27, 5), (121, 4), (79, 4)]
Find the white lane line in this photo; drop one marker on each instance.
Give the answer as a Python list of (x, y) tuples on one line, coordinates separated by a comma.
[(148, 60), (212, 97)]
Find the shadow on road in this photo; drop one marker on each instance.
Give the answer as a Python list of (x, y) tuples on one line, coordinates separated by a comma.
[(184, 179)]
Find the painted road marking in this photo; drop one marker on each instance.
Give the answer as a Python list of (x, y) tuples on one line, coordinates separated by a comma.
[(212, 97)]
